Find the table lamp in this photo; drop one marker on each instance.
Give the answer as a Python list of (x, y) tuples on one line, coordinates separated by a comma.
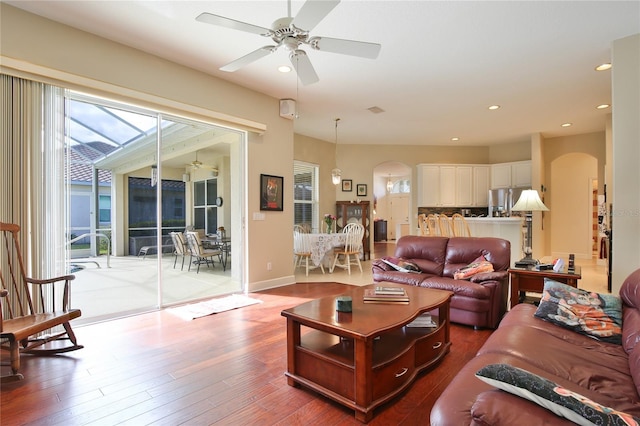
[(529, 202)]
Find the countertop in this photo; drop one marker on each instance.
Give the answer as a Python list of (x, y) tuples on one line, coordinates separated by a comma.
[(514, 219)]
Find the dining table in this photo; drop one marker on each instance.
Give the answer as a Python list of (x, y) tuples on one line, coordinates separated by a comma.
[(322, 244), (219, 243)]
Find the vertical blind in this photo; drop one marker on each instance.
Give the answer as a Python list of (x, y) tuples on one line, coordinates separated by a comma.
[(32, 173)]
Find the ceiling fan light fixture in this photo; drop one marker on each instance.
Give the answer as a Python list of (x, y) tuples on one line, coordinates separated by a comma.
[(284, 68)]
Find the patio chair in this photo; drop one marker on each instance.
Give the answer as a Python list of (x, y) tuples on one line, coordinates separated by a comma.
[(200, 253), (180, 248)]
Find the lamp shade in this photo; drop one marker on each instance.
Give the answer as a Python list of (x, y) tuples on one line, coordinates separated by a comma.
[(529, 201)]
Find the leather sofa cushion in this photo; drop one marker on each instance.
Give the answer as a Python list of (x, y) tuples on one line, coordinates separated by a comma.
[(630, 295), (463, 250), (427, 252), (459, 287)]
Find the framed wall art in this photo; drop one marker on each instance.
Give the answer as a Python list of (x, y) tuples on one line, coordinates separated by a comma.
[(361, 189), (271, 192), (346, 185)]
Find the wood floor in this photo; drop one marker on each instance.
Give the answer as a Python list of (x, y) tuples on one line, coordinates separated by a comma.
[(223, 369)]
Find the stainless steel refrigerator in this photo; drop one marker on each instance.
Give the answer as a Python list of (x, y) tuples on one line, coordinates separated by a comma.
[(502, 200)]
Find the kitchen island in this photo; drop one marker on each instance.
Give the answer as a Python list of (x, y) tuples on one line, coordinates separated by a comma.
[(509, 228)]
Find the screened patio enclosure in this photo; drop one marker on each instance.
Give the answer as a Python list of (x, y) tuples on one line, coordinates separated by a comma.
[(134, 176)]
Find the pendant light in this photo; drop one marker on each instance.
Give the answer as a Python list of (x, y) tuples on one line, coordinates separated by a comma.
[(336, 174), (389, 184)]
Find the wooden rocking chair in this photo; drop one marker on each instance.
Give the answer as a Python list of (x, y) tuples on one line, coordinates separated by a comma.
[(23, 319)]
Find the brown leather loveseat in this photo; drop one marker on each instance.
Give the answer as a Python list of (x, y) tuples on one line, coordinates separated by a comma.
[(479, 301), (607, 373)]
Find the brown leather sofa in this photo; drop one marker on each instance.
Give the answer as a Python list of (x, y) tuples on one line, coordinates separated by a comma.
[(479, 301), (607, 373)]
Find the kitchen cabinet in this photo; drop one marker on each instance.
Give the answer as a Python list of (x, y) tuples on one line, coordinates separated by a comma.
[(464, 186), (521, 174), (450, 185), (348, 212), (481, 185), (514, 174), (428, 185)]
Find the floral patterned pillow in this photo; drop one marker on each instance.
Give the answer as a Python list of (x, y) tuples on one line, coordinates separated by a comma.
[(593, 314), (561, 401)]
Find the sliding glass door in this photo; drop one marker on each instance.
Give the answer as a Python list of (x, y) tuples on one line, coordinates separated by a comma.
[(134, 177)]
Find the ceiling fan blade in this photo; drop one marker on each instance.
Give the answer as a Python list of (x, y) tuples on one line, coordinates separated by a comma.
[(312, 12), (248, 58), (346, 47), (221, 21), (303, 67)]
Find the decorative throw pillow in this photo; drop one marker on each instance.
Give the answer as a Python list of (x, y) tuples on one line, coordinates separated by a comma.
[(593, 314), (481, 264), (561, 401)]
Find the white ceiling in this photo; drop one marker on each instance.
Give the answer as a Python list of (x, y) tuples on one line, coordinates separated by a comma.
[(442, 63)]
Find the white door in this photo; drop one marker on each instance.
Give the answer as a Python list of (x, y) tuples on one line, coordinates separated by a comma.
[(399, 215)]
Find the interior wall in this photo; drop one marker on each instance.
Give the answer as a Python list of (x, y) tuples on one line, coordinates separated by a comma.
[(592, 145), (571, 205), (508, 152), (625, 57)]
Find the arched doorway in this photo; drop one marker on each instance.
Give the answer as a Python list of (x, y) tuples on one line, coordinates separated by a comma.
[(392, 198), (572, 205)]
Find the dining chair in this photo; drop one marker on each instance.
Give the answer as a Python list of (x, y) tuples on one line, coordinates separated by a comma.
[(351, 249), (460, 226), (179, 248), (433, 225), (445, 225), (200, 253), (422, 224), (302, 250)]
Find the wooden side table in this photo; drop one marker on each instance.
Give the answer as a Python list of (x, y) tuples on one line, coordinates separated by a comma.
[(530, 279)]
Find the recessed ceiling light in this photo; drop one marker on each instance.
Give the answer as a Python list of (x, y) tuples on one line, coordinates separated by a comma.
[(284, 68), (566, 125), (603, 67), (455, 139), (494, 107), (603, 106)]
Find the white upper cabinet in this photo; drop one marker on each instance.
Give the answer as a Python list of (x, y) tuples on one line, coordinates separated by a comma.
[(481, 185), (428, 185), (452, 185), (464, 186), (521, 174), (505, 175)]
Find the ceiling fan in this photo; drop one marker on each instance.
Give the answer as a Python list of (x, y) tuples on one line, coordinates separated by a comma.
[(292, 33), (195, 165)]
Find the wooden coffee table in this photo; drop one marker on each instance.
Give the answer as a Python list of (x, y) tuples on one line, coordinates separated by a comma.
[(364, 358)]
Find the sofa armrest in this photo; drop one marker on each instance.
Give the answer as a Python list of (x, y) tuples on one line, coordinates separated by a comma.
[(379, 265), (489, 276)]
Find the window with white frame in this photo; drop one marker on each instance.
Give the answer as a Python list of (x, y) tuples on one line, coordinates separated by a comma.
[(305, 194)]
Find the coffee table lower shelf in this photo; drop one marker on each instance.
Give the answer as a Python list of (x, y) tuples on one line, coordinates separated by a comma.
[(364, 373)]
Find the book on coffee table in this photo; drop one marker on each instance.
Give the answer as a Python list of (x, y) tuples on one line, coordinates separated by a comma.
[(370, 295), (423, 320), (395, 291)]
